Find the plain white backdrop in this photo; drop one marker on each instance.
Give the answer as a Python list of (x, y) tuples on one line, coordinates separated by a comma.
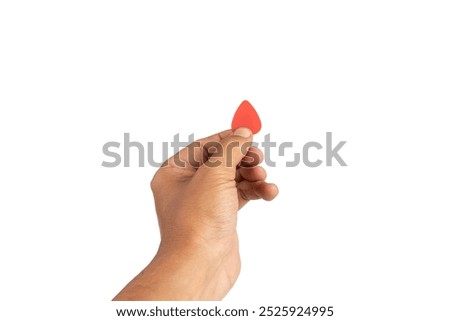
[(371, 239)]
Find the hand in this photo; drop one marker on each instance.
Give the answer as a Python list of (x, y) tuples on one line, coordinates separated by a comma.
[(198, 193)]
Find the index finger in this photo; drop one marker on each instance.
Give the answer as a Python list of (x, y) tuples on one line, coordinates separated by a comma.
[(195, 154)]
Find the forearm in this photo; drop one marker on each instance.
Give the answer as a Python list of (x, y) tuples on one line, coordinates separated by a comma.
[(174, 276)]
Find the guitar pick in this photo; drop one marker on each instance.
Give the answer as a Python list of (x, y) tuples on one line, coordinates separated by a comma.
[(246, 116)]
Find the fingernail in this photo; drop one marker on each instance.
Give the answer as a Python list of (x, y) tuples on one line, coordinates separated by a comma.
[(243, 132)]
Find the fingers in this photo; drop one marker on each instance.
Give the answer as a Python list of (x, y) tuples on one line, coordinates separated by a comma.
[(251, 174), (248, 191), (195, 154), (253, 157), (231, 151), (248, 169), (223, 147)]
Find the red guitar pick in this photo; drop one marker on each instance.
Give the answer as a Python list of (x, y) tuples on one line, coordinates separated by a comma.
[(246, 116)]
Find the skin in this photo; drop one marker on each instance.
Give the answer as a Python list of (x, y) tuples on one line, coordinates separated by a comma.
[(197, 197)]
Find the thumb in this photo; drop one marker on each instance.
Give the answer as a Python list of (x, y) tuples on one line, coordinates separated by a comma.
[(231, 150)]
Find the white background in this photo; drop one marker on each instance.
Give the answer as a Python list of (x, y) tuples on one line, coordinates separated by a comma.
[(370, 239)]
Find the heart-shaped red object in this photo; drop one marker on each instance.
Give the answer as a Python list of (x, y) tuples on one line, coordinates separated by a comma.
[(246, 116)]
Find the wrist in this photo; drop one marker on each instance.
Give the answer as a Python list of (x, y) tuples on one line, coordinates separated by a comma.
[(184, 274)]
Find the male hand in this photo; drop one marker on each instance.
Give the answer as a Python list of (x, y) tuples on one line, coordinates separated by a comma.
[(198, 193)]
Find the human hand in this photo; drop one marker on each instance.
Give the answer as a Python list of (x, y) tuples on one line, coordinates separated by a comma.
[(198, 193)]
